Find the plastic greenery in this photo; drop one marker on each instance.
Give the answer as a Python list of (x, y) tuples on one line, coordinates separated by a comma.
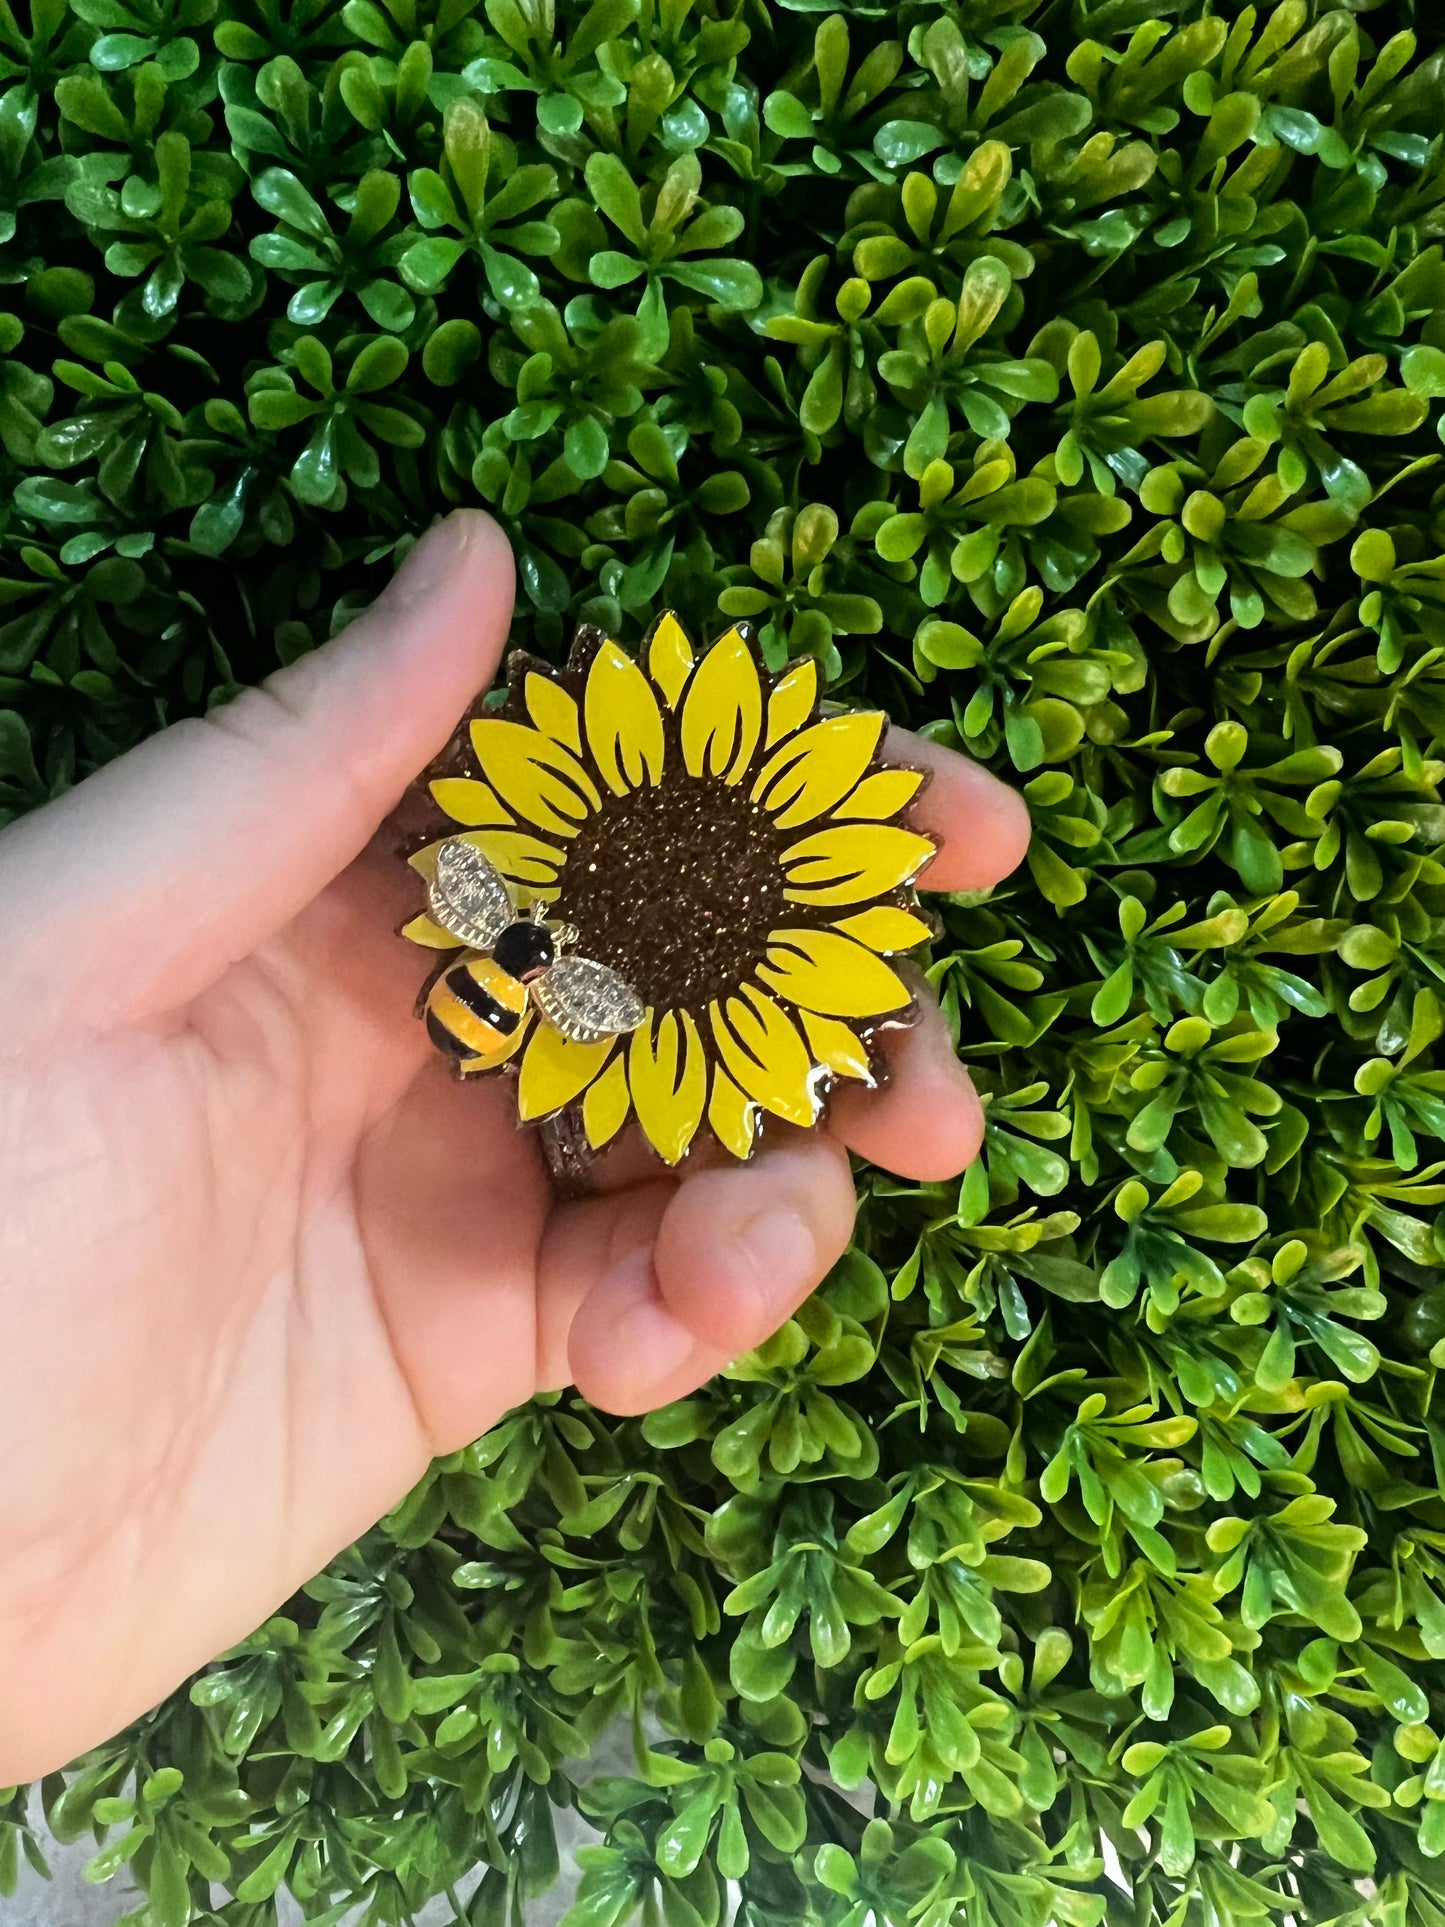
[(1068, 378)]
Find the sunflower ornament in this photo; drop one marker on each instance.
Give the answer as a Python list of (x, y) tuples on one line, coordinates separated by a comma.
[(666, 890)]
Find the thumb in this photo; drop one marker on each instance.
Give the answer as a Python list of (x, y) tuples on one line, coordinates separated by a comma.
[(157, 873)]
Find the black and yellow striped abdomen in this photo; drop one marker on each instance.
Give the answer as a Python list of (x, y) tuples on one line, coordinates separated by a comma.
[(475, 1012)]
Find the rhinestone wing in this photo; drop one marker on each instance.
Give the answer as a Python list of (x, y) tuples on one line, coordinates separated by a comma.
[(586, 1001), (467, 897)]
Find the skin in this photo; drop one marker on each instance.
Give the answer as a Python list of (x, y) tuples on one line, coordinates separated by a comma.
[(261, 1258)]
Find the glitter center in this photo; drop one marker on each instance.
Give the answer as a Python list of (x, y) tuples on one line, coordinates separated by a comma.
[(676, 888)]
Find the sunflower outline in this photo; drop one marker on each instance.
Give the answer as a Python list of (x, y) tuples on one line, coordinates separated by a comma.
[(731, 851)]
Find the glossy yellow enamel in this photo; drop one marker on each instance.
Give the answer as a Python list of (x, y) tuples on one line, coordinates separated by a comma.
[(541, 780), (722, 712), (823, 971), (423, 931), (529, 864), (489, 1042), (810, 772), (667, 1070), (506, 1051), (467, 801), (733, 1116), (879, 796), (885, 928), (424, 861), (520, 858), (555, 1070), (669, 658), (473, 1033), (498, 983), (764, 1053), (605, 1104), (553, 710), (850, 865), (836, 1046), (624, 724), (791, 703)]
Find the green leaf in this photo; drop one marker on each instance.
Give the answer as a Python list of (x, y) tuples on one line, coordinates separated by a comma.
[(731, 284), (280, 193), (1062, 382), (609, 269), (450, 351), (985, 288), (785, 115), (1422, 370), (616, 196), (315, 474), (427, 263), (381, 364)]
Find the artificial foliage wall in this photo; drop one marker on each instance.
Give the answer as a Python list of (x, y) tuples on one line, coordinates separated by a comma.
[(1068, 378)]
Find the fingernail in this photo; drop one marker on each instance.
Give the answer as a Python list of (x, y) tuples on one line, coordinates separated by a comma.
[(781, 1253), (432, 558), (646, 1334)]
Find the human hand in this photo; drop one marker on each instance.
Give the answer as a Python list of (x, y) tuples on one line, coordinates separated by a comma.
[(261, 1258)]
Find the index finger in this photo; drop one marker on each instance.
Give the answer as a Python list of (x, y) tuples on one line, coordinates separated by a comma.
[(980, 824)]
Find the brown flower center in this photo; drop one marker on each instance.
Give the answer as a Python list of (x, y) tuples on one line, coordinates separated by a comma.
[(676, 888)]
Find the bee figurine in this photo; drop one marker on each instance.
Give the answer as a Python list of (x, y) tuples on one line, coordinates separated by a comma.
[(474, 1008)]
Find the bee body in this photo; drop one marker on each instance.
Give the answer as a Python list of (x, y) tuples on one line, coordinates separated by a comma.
[(477, 1009)]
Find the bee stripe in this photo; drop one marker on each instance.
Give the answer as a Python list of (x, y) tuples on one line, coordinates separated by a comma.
[(468, 1033), (475, 1009), (481, 1002), (486, 972)]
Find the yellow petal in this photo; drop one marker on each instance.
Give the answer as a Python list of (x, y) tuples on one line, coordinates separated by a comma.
[(540, 779), (815, 769), (605, 1107), (762, 1051), (423, 930), (669, 657), (822, 971), (885, 928), (833, 1044), (529, 865), (667, 1071), (852, 864), (624, 724), (881, 795), (497, 1058), (733, 1117), (519, 857), (791, 702), (555, 1070), (553, 710), (424, 862), (722, 712), (467, 801)]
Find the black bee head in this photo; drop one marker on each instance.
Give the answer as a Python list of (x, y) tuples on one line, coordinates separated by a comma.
[(525, 949)]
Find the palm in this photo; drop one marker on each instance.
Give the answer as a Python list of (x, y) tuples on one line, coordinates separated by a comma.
[(213, 1363), (260, 1256)]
